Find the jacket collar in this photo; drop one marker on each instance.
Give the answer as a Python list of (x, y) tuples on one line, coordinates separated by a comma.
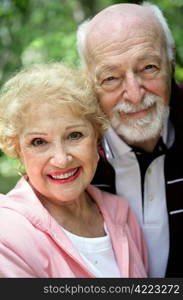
[(23, 199)]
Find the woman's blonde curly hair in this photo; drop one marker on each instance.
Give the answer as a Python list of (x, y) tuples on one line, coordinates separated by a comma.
[(53, 83)]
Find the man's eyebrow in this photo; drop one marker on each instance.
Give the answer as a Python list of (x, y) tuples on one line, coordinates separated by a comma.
[(105, 69), (115, 67), (149, 56)]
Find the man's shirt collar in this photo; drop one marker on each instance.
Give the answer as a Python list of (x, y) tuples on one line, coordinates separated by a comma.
[(115, 147)]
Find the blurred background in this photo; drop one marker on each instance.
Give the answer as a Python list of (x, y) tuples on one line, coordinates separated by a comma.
[(44, 30)]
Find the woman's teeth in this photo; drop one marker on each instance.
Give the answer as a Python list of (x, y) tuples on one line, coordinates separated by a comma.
[(64, 176)]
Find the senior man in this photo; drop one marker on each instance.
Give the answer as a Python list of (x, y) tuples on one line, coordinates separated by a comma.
[(129, 52)]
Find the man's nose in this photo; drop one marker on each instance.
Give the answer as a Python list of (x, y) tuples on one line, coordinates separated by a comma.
[(133, 89)]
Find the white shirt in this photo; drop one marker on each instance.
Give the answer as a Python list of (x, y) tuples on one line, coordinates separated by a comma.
[(153, 217), (97, 254)]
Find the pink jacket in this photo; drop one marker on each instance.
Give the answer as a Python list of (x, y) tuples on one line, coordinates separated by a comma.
[(32, 244)]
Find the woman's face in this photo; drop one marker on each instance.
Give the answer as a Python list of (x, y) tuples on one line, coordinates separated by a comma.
[(59, 152)]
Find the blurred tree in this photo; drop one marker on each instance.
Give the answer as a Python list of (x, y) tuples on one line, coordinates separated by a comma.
[(34, 31), (44, 30)]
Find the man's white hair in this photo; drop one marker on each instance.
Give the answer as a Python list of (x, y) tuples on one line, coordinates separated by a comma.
[(83, 29), (81, 41)]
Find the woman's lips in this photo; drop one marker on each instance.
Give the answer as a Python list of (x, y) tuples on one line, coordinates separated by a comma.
[(64, 177)]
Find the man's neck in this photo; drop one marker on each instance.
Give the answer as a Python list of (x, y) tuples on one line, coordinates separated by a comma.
[(147, 146)]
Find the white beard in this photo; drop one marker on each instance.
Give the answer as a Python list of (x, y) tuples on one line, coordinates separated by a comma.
[(138, 130)]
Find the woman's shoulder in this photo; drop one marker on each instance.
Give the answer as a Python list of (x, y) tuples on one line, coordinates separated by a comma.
[(19, 215), (14, 226)]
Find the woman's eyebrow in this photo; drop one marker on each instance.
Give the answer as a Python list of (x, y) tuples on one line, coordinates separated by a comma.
[(76, 125), (36, 133), (44, 133)]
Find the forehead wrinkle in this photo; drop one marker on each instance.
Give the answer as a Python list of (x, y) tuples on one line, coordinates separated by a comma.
[(120, 23), (106, 68), (121, 39)]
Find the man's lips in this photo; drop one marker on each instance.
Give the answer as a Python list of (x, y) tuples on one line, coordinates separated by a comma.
[(138, 114)]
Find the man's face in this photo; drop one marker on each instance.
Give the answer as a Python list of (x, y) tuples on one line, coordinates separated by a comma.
[(132, 76)]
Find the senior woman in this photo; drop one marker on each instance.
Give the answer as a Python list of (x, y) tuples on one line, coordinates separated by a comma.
[(53, 223)]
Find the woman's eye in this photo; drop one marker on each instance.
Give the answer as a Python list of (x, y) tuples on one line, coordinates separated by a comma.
[(148, 67), (38, 142), (75, 135)]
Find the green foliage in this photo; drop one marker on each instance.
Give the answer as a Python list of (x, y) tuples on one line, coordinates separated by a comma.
[(44, 30), (8, 173), (179, 73)]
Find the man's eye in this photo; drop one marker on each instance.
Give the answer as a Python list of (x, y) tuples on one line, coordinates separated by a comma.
[(108, 79), (75, 135), (38, 142)]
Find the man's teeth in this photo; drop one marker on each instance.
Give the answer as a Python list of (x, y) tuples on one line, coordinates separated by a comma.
[(64, 176)]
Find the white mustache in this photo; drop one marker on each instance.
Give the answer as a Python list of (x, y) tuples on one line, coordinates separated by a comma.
[(128, 107)]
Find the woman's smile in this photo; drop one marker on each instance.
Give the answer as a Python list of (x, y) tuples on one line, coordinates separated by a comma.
[(64, 177)]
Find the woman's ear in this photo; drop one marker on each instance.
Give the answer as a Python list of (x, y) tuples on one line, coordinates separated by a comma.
[(17, 146)]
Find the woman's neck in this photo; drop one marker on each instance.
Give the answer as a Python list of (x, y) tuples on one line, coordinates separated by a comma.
[(80, 216)]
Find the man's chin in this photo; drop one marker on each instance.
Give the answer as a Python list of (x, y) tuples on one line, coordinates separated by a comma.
[(142, 129), (131, 136), (140, 133)]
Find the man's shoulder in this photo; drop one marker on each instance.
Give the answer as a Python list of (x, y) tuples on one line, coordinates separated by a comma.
[(176, 105), (104, 177), (176, 93), (180, 86)]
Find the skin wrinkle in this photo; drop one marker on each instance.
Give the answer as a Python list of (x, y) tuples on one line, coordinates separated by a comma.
[(118, 53), (113, 49), (53, 125), (102, 24), (101, 69), (68, 203)]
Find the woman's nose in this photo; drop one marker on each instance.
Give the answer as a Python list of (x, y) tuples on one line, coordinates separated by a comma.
[(61, 157)]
